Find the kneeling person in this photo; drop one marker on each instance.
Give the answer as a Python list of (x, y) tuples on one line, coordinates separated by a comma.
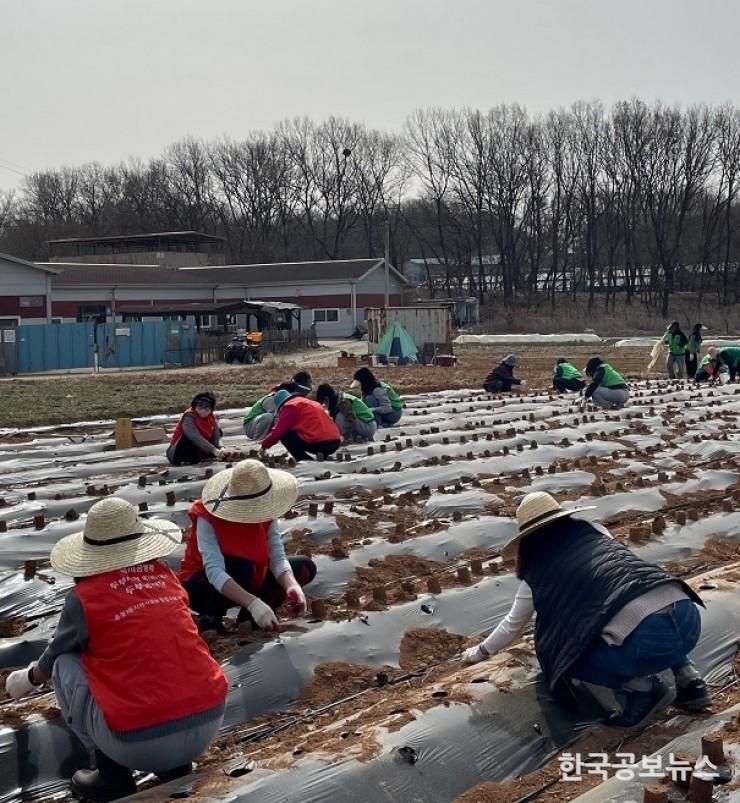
[(259, 419), (353, 417), (117, 656), (235, 554)]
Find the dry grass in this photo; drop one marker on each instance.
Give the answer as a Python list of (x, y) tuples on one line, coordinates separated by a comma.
[(623, 320), (64, 399)]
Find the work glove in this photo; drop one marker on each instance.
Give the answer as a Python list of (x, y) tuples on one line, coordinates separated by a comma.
[(218, 454), (523, 383), (295, 600), (474, 655), (263, 615), (18, 684)]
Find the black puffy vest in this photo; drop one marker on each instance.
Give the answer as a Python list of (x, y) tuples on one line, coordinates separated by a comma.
[(580, 578)]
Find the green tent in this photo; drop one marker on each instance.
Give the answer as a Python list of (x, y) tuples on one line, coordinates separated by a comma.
[(397, 342)]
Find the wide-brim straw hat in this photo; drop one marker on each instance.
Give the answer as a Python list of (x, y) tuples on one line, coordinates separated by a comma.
[(250, 493), (535, 511), (114, 537)]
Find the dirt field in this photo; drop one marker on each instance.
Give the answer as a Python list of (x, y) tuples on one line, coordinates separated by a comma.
[(40, 400)]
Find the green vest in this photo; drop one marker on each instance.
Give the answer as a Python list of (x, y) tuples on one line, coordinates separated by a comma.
[(693, 346), (256, 409), (611, 377), (705, 359), (393, 397), (730, 355), (568, 371), (674, 344), (362, 411), (701, 371)]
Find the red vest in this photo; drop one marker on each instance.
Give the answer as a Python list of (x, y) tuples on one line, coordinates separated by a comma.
[(236, 539), (145, 662), (313, 424), (206, 426)]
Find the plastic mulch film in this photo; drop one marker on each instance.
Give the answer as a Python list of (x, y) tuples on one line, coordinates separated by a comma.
[(452, 747)]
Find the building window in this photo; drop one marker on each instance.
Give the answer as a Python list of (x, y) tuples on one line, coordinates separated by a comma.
[(325, 315), (92, 312)]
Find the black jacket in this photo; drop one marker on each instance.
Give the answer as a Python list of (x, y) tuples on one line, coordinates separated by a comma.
[(580, 578), (503, 374)]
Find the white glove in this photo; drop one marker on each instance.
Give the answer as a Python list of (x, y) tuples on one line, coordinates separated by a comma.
[(295, 600), (523, 383), (18, 684), (263, 614), (218, 454), (474, 655)]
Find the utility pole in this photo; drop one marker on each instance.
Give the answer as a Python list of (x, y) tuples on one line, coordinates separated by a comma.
[(387, 263)]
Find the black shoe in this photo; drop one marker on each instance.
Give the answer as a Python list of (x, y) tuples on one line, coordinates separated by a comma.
[(211, 623), (109, 781), (640, 706), (175, 773), (694, 697)]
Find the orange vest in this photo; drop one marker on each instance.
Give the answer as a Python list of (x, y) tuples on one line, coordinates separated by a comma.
[(313, 424), (236, 539), (206, 426), (145, 662)]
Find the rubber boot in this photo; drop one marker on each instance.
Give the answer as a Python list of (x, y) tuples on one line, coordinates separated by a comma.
[(109, 781)]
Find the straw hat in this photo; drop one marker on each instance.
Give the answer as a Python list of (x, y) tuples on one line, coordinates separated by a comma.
[(250, 492), (114, 538), (535, 511)]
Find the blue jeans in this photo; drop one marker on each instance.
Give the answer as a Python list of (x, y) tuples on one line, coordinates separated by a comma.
[(383, 419), (661, 641)]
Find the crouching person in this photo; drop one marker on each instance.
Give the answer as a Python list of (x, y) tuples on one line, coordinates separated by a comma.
[(117, 656), (303, 427), (235, 554), (604, 615), (197, 435), (260, 417), (567, 377), (501, 379), (607, 388), (352, 416)]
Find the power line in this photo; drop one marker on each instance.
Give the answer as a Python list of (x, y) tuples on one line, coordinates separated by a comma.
[(12, 170)]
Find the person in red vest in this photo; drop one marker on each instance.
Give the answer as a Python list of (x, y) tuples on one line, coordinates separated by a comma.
[(133, 678), (197, 435), (303, 427), (235, 554)]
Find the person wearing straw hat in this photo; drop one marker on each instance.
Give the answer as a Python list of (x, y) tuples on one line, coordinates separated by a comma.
[(303, 427), (116, 657), (235, 554), (604, 615)]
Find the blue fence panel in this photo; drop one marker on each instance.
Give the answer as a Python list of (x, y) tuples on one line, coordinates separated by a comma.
[(54, 347), (134, 343), (180, 343)]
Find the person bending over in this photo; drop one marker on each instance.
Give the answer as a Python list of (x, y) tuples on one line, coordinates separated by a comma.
[(197, 435), (353, 417), (303, 427), (567, 377), (379, 396), (502, 379), (607, 387)]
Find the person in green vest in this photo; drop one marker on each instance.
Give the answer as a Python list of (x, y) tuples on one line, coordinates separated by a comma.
[(354, 418), (729, 356), (693, 349), (567, 377), (708, 369), (385, 403), (607, 388), (676, 342), (259, 418)]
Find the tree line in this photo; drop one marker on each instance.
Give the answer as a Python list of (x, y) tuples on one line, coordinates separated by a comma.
[(639, 200)]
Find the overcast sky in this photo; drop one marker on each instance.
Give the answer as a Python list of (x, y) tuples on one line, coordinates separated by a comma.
[(86, 80)]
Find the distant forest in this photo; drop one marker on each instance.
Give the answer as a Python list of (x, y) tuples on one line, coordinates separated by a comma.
[(638, 200)]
